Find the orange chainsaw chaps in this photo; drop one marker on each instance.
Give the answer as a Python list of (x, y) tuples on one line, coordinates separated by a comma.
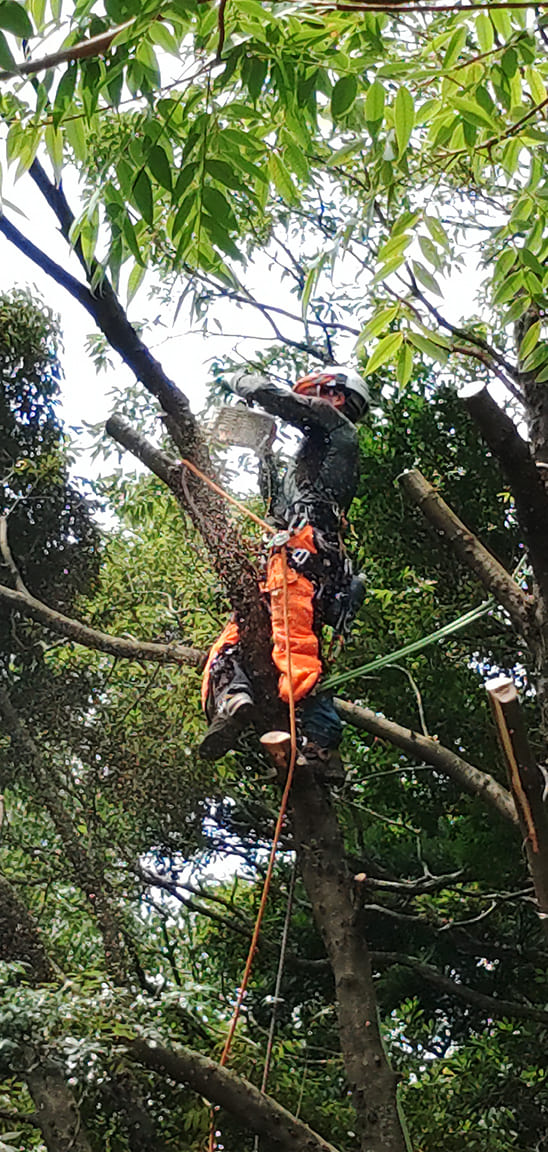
[(229, 636), (304, 647)]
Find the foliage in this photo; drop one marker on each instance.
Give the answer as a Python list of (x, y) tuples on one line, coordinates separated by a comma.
[(363, 156)]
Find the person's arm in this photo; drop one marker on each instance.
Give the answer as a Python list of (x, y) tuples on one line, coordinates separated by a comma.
[(301, 411)]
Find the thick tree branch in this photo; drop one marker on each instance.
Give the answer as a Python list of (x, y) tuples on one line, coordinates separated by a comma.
[(470, 550), (50, 267), (526, 483), (207, 511), (225, 547), (428, 751), (118, 646), (257, 1112)]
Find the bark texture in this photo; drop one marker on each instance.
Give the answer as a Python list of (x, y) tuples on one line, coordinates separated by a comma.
[(330, 888), (255, 1110), (56, 1109)]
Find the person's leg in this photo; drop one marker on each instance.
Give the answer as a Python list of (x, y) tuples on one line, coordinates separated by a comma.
[(227, 696), (321, 733)]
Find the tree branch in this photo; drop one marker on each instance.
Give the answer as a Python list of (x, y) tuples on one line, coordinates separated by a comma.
[(490, 1004), (95, 46), (470, 550), (519, 467), (257, 1112), (118, 646), (424, 748)]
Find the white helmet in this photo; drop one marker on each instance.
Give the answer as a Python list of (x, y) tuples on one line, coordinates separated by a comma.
[(333, 375)]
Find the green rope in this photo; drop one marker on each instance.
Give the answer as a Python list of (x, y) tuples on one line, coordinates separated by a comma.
[(416, 646)]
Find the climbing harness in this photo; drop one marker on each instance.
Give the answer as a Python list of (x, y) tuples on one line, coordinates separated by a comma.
[(290, 771)]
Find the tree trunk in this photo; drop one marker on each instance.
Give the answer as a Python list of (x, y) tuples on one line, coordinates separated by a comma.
[(57, 1114), (331, 891)]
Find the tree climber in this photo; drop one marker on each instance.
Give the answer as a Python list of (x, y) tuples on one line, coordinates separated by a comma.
[(308, 504)]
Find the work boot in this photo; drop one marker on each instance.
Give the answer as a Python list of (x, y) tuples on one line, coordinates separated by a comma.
[(325, 762), (234, 714)]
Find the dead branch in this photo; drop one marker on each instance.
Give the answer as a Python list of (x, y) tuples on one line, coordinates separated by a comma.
[(490, 1004)]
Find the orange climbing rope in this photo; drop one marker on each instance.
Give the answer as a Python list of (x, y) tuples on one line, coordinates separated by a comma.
[(289, 779)]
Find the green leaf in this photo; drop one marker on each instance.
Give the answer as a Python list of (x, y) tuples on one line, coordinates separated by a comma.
[(474, 113), (217, 204), (429, 347), (429, 251), (161, 35), (54, 144), (437, 231), (343, 96), (255, 76), (75, 134), (374, 101), (222, 172), (142, 194), (386, 350), (404, 118), (297, 160), (404, 366), (536, 358), (219, 236), (7, 61), (281, 178), (454, 48), (484, 32), (529, 340), (380, 321), (502, 22), (394, 247), (542, 377), (185, 177), (14, 18), (309, 283), (135, 280), (425, 277), (509, 288), (158, 164), (536, 84)]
